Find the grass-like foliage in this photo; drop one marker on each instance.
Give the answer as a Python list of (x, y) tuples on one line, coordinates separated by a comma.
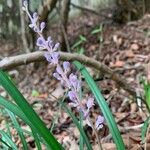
[(28, 113), (103, 106)]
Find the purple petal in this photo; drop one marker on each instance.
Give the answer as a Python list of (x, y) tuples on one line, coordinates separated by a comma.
[(85, 114), (99, 122), (73, 80), (25, 3), (49, 42), (31, 25), (40, 42), (36, 29), (56, 46), (73, 104), (90, 103), (55, 57), (48, 56), (35, 16), (72, 95), (42, 26), (59, 70), (57, 76), (66, 66)]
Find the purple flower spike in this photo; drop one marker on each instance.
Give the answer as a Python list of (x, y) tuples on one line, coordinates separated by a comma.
[(67, 79), (99, 122), (90, 103)]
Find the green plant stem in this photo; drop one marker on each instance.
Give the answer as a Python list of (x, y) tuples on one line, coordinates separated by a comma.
[(95, 132)]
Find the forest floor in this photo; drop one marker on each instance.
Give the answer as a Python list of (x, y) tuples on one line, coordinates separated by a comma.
[(124, 48)]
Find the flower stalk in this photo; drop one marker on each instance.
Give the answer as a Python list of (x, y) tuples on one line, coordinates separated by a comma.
[(63, 73)]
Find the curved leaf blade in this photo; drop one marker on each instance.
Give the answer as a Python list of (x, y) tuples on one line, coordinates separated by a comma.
[(29, 112), (103, 106)]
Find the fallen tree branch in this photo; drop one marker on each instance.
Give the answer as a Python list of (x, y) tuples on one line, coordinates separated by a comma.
[(11, 62)]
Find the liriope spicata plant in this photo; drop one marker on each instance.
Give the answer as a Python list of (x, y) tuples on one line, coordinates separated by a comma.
[(71, 81), (62, 73)]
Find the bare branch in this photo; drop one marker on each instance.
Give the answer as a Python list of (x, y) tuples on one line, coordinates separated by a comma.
[(46, 9), (11, 62)]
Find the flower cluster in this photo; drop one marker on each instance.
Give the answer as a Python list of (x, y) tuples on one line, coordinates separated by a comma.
[(63, 72), (52, 56)]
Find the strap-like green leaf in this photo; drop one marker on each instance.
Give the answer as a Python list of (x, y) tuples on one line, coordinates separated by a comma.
[(29, 112), (16, 111), (19, 129), (144, 129), (103, 106), (7, 139)]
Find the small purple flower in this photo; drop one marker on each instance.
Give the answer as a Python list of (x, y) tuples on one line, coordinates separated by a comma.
[(52, 58), (41, 43), (56, 46), (57, 76), (66, 66), (90, 103), (55, 57), (85, 113), (74, 104), (99, 122), (42, 26), (47, 55), (25, 3), (73, 80), (59, 70), (73, 96), (49, 44), (34, 20)]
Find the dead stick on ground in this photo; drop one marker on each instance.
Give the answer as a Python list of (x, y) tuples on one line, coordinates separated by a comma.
[(11, 62)]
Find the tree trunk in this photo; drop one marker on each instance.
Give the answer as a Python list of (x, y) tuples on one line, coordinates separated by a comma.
[(64, 22), (129, 10), (147, 4)]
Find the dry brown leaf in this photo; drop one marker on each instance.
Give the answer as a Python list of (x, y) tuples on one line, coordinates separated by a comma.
[(117, 40), (118, 63), (136, 147), (108, 146), (43, 96), (129, 53), (135, 46), (133, 107)]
